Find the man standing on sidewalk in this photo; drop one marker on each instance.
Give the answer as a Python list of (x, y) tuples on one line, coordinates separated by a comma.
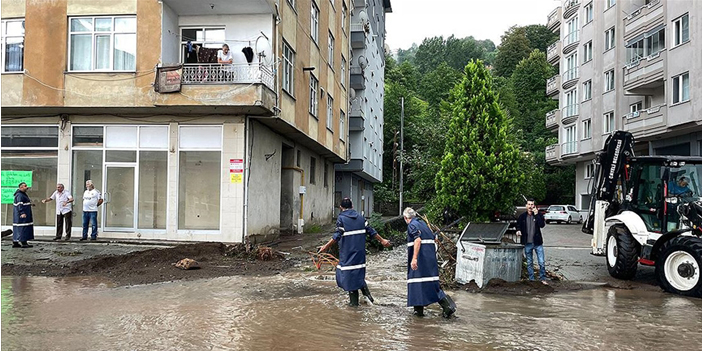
[(91, 200), (64, 210), (529, 226), (22, 220)]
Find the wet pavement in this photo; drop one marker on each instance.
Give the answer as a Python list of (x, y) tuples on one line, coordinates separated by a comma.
[(302, 310)]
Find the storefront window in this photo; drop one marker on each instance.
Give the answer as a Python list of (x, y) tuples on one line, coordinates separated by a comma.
[(87, 165), (153, 192), (199, 177), (44, 167)]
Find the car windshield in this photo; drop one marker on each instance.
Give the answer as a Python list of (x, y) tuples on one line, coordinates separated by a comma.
[(685, 180)]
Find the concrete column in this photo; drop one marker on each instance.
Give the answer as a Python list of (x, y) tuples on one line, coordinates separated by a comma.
[(232, 206), (172, 215), (64, 159)]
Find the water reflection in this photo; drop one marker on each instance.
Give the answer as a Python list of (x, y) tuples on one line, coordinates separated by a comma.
[(302, 310)]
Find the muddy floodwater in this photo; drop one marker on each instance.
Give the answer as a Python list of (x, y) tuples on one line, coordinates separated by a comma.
[(303, 310)]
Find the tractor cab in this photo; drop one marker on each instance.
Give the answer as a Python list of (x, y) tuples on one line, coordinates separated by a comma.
[(657, 185)]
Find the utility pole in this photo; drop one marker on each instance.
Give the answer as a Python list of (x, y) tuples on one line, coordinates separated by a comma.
[(402, 145)]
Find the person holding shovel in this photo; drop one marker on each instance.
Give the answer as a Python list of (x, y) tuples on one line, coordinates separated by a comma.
[(351, 231)]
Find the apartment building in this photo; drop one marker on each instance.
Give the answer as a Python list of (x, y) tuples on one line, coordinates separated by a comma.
[(355, 179), (624, 65), (130, 94)]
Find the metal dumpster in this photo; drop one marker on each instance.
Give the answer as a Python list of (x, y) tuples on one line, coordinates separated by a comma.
[(482, 255)]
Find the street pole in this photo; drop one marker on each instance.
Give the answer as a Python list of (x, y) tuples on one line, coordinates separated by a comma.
[(402, 145)]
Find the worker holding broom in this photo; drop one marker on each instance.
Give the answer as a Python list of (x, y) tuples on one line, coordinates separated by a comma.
[(351, 231)]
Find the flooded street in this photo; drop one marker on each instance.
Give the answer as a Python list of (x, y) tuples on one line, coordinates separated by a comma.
[(305, 310)]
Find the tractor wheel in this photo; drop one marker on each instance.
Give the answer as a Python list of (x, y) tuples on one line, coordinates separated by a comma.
[(569, 221), (678, 266), (622, 253)]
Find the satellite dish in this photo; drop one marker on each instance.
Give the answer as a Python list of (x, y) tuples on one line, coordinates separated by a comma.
[(263, 51), (363, 16), (362, 61), (352, 93)]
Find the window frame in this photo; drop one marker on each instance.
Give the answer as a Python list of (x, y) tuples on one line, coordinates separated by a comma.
[(343, 71), (608, 127), (587, 52), (587, 129), (330, 50), (94, 34), (314, 100), (330, 113), (587, 90), (609, 77), (3, 41), (610, 3), (342, 124), (288, 81), (314, 22), (678, 30), (589, 170), (589, 12), (678, 83), (344, 17), (313, 170), (610, 40)]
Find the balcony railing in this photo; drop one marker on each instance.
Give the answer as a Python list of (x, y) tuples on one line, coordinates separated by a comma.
[(641, 12), (238, 73), (552, 118), (645, 72), (570, 41), (552, 85), (569, 148), (552, 153), (553, 52), (570, 112), (571, 7), (569, 77), (554, 19)]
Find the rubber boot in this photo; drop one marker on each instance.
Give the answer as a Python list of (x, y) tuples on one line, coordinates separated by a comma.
[(448, 306), (25, 245), (419, 311), (367, 294), (353, 296)]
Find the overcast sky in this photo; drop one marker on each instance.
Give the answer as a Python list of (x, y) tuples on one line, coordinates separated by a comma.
[(413, 20)]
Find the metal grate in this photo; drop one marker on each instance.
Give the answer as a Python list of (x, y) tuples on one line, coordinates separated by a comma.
[(228, 74), (488, 233)]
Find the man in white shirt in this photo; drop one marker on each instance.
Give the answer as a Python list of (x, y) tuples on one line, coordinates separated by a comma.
[(91, 200), (224, 55), (64, 210)]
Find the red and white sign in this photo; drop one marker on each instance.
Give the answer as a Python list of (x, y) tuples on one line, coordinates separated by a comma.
[(236, 165)]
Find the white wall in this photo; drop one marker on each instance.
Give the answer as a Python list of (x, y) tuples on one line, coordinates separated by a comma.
[(239, 29), (170, 41), (264, 183)]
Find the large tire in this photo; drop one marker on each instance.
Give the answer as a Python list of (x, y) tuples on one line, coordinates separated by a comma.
[(622, 253), (678, 266)]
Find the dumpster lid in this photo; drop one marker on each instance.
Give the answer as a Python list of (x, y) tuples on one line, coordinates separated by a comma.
[(488, 233)]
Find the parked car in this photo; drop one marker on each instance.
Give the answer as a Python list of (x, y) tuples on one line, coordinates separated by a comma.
[(563, 213)]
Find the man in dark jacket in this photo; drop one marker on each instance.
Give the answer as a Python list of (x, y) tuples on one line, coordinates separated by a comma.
[(351, 231), (529, 226), (22, 220)]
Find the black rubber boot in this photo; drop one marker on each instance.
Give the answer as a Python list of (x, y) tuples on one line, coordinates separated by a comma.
[(353, 296), (16, 244), (367, 293), (448, 306), (419, 311), (25, 245)]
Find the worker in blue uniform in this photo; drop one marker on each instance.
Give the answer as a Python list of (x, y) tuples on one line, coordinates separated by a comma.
[(423, 286), (351, 231)]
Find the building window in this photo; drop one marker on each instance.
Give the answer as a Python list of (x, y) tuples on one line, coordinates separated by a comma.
[(190, 37), (681, 88), (343, 71), (326, 174), (571, 144), (288, 69), (609, 81), (634, 108), (313, 170), (611, 3), (30, 154), (314, 30), (588, 13), (571, 67), (609, 122), (571, 100), (102, 44), (330, 52), (644, 47), (13, 45), (587, 129), (681, 28), (342, 121), (344, 16), (573, 31), (589, 170), (609, 39), (200, 154), (587, 52), (330, 113), (587, 90), (314, 88), (299, 158)]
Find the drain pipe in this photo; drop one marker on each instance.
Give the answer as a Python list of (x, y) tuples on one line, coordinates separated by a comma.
[(300, 219), (247, 170)]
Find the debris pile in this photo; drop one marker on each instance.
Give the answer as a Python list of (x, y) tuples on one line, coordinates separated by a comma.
[(187, 263), (446, 252)]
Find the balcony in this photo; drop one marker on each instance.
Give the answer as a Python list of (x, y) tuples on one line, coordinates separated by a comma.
[(570, 77), (552, 86), (643, 19), (571, 8), (242, 73), (553, 53), (357, 79), (645, 74), (552, 153), (570, 42), (358, 35), (357, 116), (553, 117), (647, 123), (554, 19), (570, 113), (569, 148)]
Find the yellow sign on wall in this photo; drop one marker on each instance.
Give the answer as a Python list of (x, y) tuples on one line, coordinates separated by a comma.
[(236, 177)]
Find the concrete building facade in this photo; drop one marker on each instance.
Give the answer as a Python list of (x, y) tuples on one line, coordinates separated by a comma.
[(182, 148), (624, 65), (355, 179)]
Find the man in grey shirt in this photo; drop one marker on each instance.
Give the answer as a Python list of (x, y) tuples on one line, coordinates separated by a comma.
[(530, 223)]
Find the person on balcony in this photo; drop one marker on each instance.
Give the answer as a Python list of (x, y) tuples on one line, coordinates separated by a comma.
[(225, 56)]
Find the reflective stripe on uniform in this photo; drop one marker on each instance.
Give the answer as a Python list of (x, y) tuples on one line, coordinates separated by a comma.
[(422, 280), (22, 224), (354, 232), (23, 203), (341, 229), (347, 268), (424, 241)]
